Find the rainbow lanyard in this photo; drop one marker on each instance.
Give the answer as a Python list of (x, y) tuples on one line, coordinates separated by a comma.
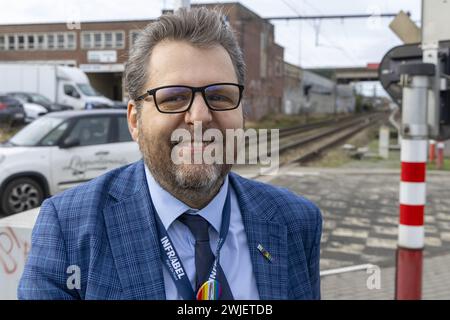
[(210, 290)]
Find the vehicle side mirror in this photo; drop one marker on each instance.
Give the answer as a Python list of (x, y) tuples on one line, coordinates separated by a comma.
[(70, 142)]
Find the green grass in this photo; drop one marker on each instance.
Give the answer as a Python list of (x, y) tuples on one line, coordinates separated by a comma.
[(432, 165)]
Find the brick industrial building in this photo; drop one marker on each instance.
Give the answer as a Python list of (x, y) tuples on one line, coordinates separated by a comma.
[(101, 48)]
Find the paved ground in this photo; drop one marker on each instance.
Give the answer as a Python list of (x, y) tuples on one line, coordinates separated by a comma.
[(353, 285), (360, 211)]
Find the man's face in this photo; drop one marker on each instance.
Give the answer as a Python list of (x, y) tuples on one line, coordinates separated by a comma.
[(180, 63)]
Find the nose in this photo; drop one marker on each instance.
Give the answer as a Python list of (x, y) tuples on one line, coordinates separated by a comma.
[(199, 111)]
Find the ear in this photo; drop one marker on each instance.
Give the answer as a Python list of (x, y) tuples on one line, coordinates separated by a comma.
[(132, 116)]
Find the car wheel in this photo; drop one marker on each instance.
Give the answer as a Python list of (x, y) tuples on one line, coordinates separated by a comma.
[(21, 194)]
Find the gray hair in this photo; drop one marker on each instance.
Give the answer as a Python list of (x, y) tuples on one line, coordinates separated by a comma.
[(201, 27)]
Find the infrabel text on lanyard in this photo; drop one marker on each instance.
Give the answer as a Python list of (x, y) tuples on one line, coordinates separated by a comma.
[(210, 289)]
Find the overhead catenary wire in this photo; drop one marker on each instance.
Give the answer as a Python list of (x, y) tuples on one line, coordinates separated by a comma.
[(315, 24), (300, 32)]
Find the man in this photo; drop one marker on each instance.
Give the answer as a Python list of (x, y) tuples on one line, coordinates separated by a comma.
[(151, 230)]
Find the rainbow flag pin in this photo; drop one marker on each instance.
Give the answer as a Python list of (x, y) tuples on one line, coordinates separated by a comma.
[(265, 253), (210, 290)]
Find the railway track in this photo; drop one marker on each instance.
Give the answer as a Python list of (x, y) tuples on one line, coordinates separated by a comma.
[(304, 143), (331, 138), (298, 139), (285, 132)]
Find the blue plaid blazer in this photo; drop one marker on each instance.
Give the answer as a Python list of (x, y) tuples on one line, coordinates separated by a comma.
[(107, 229)]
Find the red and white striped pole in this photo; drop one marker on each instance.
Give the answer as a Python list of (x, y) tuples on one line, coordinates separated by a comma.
[(411, 232), (412, 193), (414, 149)]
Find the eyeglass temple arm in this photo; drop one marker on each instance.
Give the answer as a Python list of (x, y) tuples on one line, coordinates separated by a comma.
[(145, 95)]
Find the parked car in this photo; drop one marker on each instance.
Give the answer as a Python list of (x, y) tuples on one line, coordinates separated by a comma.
[(37, 98), (60, 150), (11, 110), (32, 110)]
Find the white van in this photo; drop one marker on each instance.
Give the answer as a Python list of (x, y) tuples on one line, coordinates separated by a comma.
[(68, 86), (60, 150)]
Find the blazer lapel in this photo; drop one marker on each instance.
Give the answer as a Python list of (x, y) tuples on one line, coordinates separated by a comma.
[(133, 237), (271, 276)]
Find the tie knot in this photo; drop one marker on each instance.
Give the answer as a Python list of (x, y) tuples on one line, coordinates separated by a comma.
[(197, 224)]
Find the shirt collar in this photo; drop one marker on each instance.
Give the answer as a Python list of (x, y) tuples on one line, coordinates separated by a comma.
[(170, 208)]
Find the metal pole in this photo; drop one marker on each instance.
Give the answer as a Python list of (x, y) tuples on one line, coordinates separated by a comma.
[(432, 154), (415, 81), (409, 274)]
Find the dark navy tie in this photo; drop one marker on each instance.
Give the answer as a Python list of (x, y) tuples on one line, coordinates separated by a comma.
[(204, 257)]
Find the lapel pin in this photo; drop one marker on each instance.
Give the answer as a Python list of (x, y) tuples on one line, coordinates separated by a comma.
[(265, 253)]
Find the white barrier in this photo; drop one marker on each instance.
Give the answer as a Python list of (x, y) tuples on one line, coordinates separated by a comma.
[(15, 243)]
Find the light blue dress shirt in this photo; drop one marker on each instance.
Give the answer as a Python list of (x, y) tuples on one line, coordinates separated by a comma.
[(234, 255)]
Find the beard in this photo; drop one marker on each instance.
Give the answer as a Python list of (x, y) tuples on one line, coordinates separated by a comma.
[(182, 180)]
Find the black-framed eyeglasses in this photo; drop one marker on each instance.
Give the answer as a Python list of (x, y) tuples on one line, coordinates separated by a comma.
[(177, 98)]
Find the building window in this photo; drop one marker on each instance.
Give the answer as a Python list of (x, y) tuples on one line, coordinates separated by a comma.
[(108, 40), (103, 40), (60, 40), (2, 43), (98, 40), (71, 41), (11, 43), (21, 42), (119, 40), (51, 41), (87, 41), (40, 42), (30, 39)]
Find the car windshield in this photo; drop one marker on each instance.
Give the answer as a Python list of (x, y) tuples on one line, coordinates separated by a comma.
[(87, 90), (40, 99), (35, 131)]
